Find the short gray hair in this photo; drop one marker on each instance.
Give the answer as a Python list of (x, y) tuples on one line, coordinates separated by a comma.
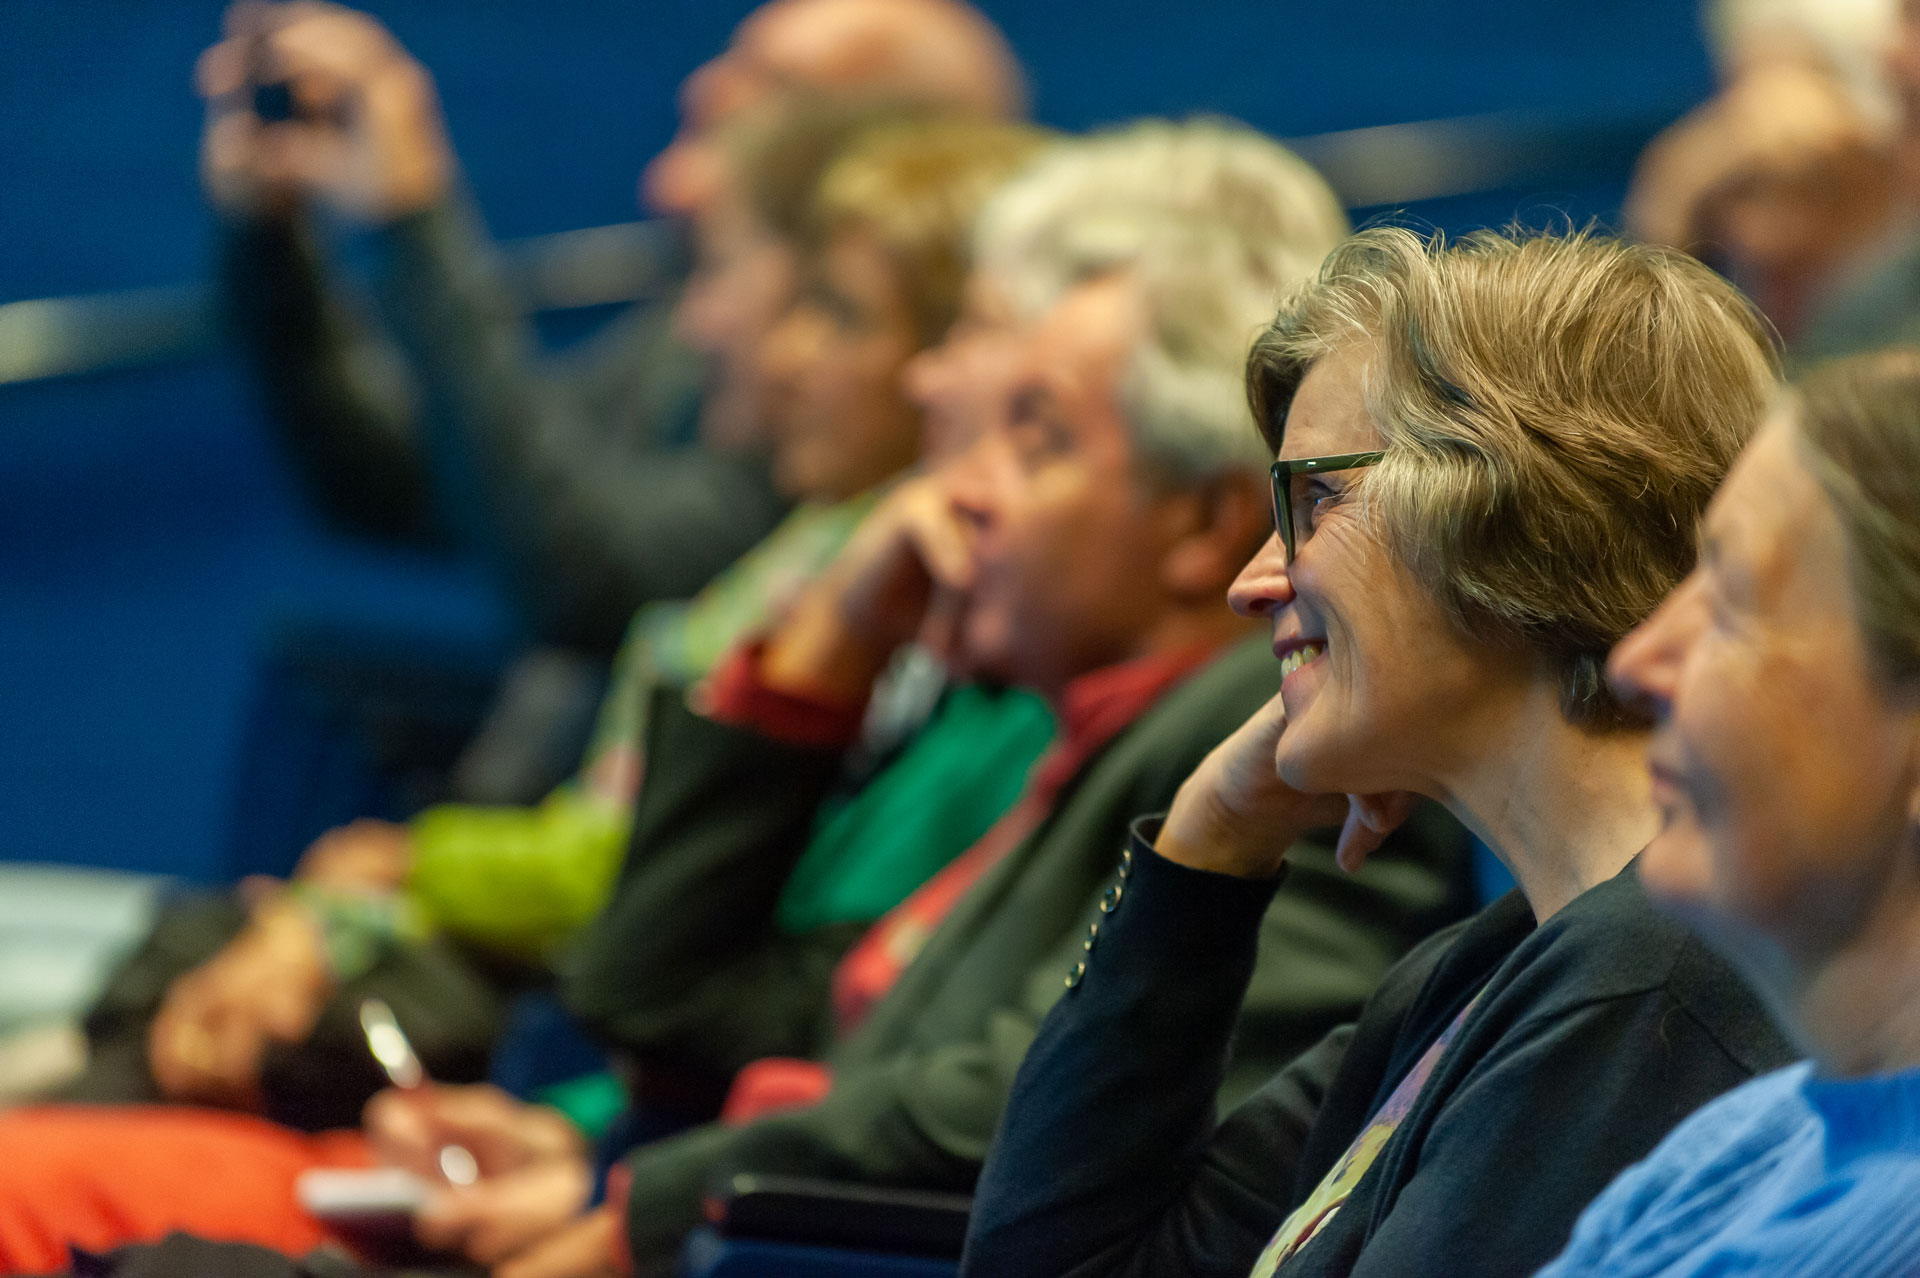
[(1215, 222)]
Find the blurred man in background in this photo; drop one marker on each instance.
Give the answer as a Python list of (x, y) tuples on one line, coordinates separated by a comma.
[(1788, 178), (570, 472), (254, 1007), (567, 477), (631, 469), (1880, 304)]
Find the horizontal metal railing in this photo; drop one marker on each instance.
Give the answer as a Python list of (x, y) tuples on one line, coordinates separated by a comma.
[(1391, 165)]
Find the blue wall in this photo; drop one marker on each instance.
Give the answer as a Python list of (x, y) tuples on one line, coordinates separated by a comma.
[(147, 535)]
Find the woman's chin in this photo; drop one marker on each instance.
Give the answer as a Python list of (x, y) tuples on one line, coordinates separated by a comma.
[(1313, 762)]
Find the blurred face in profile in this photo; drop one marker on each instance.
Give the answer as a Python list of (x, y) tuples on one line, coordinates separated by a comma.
[(1903, 69), (743, 280), (838, 417), (685, 177), (1067, 532), (1782, 767), (964, 386), (1817, 186)]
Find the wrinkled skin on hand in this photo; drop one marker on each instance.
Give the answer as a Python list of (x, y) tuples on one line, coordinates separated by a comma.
[(535, 1177), (908, 558), (902, 576)]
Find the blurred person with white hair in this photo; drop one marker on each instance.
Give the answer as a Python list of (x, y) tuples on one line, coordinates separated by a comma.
[(1879, 303), (1787, 179), (259, 1026)]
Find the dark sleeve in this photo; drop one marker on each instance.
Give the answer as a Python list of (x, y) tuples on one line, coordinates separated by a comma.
[(585, 519), (337, 391), (923, 1114), (1538, 1128), (1108, 1161), (687, 959)]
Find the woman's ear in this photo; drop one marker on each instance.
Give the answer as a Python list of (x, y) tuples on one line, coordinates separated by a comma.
[(1225, 520)]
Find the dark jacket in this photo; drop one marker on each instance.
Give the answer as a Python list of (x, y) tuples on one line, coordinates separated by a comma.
[(919, 1085), (1594, 1035), (564, 473)]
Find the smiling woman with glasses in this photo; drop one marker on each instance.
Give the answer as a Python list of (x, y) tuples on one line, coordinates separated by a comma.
[(1490, 458)]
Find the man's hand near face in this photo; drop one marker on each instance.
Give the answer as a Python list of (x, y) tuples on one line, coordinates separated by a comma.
[(366, 137), (903, 575)]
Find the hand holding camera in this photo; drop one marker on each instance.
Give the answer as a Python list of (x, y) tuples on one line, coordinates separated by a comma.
[(307, 101)]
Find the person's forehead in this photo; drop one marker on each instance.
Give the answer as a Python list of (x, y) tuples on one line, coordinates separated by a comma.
[(815, 43), (1771, 524), (1090, 328), (1329, 411)]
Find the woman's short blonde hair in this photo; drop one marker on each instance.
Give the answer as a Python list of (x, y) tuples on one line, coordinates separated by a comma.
[(1861, 419), (1556, 412), (918, 185)]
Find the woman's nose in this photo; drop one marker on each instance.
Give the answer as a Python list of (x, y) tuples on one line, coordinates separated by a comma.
[(1644, 668), (1264, 586)]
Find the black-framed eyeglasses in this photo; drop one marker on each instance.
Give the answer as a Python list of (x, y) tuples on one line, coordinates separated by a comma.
[(1287, 516)]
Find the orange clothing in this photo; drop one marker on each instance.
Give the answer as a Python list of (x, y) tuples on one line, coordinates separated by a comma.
[(100, 1177)]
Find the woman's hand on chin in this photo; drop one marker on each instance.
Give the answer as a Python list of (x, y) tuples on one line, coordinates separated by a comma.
[(1235, 815)]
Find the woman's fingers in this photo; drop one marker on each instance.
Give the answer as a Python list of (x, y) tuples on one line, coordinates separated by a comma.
[(1371, 818)]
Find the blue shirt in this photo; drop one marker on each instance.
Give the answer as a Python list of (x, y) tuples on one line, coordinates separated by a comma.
[(1789, 1174)]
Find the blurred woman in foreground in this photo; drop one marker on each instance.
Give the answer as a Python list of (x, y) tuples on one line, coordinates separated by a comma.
[(1785, 675)]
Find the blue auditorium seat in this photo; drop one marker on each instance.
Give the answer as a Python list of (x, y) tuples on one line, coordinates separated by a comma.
[(793, 1227)]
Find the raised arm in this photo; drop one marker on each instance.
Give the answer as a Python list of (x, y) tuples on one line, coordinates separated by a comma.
[(580, 508), (337, 389), (580, 505)]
